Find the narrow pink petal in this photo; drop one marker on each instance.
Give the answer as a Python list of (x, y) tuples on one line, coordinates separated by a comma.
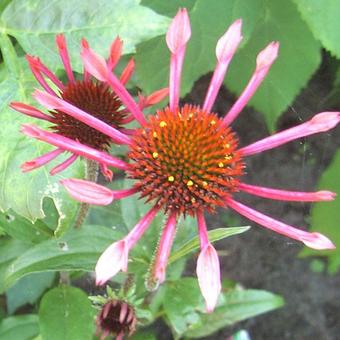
[(33, 63), (87, 191), (108, 174), (45, 70), (64, 165), (179, 31), (284, 195), (123, 312), (115, 53), (127, 72), (225, 50), (113, 259), (119, 194), (177, 37), (30, 111), (94, 63), (202, 229), (164, 249), (319, 123), (53, 102), (264, 62), (65, 58), (312, 240), (137, 232), (40, 161), (153, 98), (73, 146), (209, 276)]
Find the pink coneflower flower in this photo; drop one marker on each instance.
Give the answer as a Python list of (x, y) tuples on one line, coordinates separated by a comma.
[(86, 115), (186, 160)]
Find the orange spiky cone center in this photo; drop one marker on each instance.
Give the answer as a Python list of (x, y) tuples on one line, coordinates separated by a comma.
[(186, 160), (98, 100)]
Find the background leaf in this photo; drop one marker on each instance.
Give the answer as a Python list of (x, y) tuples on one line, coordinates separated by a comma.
[(66, 313), (35, 23), (21, 327), (322, 17), (325, 216)]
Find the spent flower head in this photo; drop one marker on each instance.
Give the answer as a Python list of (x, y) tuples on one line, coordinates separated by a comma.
[(187, 161)]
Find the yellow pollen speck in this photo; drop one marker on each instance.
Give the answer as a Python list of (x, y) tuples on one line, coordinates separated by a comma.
[(193, 200), (205, 183), (220, 164), (155, 154), (155, 134), (228, 157), (213, 122), (227, 145), (190, 183), (171, 178), (191, 115), (162, 124)]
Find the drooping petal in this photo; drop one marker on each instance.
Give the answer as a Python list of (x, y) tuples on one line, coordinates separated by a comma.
[(313, 240), (40, 161), (73, 146), (153, 98), (284, 195), (87, 191), (319, 123), (115, 53), (264, 62), (64, 165), (209, 277), (65, 58), (127, 72), (53, 102), (30, 111), (225, 50), (177, 37), (113, 259), (163, 251)]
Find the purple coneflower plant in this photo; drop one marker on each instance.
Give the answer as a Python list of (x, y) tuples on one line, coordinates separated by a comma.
[(186, 160), (86, 115)]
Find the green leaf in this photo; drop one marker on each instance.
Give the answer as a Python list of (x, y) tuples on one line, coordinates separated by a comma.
[(22, 229), (325, 216), (214, 235), (299, 57), (21, 327), (66, 314), (263, 21), (322, 17), (35, 23), (76, 250), (168, 8), (185, 310), (237, 305), (24, 192), (28, 290)]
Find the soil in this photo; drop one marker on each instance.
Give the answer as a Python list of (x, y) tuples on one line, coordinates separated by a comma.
[(262, 259)]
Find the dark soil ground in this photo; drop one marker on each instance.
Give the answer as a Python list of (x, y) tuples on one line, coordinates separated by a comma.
[(264, 260)]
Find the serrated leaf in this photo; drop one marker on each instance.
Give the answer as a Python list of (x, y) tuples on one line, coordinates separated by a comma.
[(263, 21), (66, 314), (322, 17), (214, 235), (35, 23), (24, 192), (325, 216), (76, 250), (21, 327)]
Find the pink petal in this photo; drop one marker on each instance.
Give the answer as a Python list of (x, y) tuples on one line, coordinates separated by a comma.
[(65, 58), (179, 31), (319, 123), (155, 97), (128, 71), (30, 111), (94, 63), (64, 165), (284, 195), (209, 277), (88, 192), (312, 240), (113, 259), (115, 53), (40, 161)]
